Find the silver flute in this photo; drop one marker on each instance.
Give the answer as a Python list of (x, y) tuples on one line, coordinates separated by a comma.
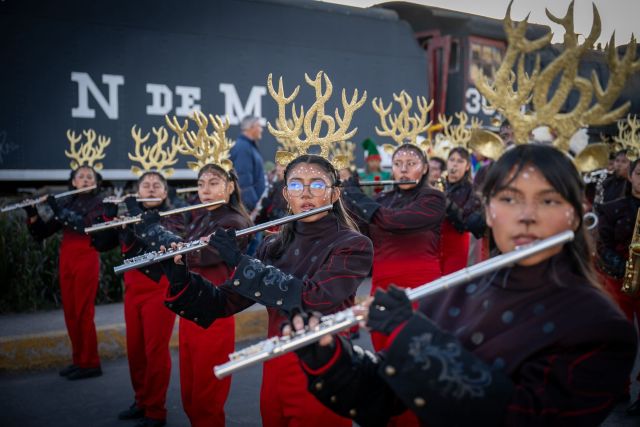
[(41, 199), (194, 245), (385, 182), (186, 190), (134, 219), (121, 199), (330, 324)]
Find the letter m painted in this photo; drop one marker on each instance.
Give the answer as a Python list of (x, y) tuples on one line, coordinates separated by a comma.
[(233, 107)]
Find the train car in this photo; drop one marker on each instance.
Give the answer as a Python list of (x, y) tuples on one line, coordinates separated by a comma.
[(74, 64)]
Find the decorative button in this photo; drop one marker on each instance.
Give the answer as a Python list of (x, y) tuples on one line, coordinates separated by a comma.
[(195, 319), (181, 313), (389, 370), (419, 402), (352, 413), (236, 282), (169, 304), (257, 294), (279, 302), (318, 385), (143, 235), (333, 399)]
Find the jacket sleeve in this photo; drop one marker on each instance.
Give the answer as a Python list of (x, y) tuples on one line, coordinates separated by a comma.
[(203, 303), (40, 229), (608, 259), (348, 263), (350, 386), (243, 165), (209, 256), (427, 210)]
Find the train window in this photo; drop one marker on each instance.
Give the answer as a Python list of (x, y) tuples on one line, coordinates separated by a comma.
[(485, 57)]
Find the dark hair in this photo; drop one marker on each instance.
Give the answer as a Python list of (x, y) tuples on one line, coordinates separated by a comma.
[(235, 199), (423, 157), (441, 162), (632, 165), (559, 170), (162, 179), (462, 152), (622, 152), (286, 233), (74, 172)]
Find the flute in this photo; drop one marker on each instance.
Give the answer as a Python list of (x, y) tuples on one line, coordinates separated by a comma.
[(116, 199), (41, 199), (134, 219), (330, 324), (158, 256), (186, 190), (386, 182)]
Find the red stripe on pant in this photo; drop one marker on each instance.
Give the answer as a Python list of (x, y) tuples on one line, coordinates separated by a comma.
[(203, 395), (285, 401), (149, 328), (79, 267), (454, 249)]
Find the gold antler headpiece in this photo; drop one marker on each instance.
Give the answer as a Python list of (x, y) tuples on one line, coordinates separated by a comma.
[(453, 136), (87, 154), (343, 154), (628, 137), (155, 157), (301, 122), (205, 147), (404, 127), (510, 91)]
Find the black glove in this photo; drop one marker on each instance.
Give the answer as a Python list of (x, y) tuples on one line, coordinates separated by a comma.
[(224, 241), (53, 204), (110, 210), (151, 217), (366, 207), (133, 207), (389, 310), (612, 264), (353, 181), (177, 274), (314, 356), (31, 211), (476, 225)]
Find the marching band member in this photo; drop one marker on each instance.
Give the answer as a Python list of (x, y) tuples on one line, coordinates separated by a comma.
[(404, 223), (149, 325), (79, 264), (617, 221), (203, 395), (463, 212), (512, 348), (316, 263)]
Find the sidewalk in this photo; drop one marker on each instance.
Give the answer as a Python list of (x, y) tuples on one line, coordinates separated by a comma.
[(39, 340)]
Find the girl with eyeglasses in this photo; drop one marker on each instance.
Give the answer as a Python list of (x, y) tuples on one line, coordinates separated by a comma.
[(537, 344), (316, 263)]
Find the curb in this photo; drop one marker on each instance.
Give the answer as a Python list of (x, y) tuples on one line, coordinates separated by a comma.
[(53, 349)]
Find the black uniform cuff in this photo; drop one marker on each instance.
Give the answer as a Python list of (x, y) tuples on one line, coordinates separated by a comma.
[(195, 301), (365, 206), (267, 285), (435, 376)]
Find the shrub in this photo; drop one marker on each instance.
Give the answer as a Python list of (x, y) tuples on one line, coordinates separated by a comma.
[(29, 269)]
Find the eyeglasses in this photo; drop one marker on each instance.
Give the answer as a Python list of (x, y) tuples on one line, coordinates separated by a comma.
[(316, 188)]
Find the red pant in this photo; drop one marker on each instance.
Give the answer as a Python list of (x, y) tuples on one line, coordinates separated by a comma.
[(203, 395), (79, 273), (402, 273), (285, 401), (149, 327), (454, 247)]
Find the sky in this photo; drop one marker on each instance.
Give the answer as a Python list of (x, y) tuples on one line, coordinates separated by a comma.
[(623, 16)]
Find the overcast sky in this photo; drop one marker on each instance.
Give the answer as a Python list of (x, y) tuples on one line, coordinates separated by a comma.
[(623, 16)]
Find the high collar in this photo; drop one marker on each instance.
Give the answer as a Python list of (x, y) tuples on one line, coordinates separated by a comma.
[(219, 212), (545, 273), (317, 228)]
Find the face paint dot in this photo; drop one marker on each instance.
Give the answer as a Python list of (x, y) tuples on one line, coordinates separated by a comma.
[(525, 175), (477, 338), (471, 288), (454, 311), (507, 316), (548, 327), (538, 309)]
